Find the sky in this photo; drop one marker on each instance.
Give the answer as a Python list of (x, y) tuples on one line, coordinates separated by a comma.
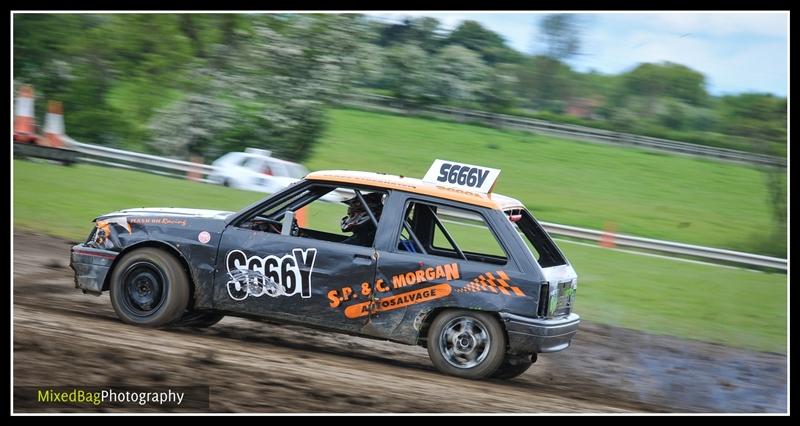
[(738, 52)]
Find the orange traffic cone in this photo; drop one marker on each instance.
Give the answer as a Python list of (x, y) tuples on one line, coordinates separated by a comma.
[(24, 128), (54, 125), (607, 240)]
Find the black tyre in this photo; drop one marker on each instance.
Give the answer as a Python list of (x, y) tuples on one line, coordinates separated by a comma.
[(149, 287), (199, 319), (511, 368), (466, 344)]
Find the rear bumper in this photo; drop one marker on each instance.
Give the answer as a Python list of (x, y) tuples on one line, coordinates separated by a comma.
[(91, 266), (531, 335)]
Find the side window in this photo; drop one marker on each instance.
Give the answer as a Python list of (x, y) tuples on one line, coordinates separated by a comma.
[(235, 158), (297, 171), (536, 239), (276, 168), (450, 232), (323, 212), (253, 163), (408, 239)]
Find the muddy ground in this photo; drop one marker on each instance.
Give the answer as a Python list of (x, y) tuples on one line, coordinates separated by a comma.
[(65, 338)]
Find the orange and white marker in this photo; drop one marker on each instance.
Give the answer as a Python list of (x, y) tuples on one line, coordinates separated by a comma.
[(195, 174), (54, 125), (24, 128), (607, 239)]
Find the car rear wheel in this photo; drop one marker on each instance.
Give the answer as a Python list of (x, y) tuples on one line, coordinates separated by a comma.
[(511, 368), (149, 287), (466, 344)]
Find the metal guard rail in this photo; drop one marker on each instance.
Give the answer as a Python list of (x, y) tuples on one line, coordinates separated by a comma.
[(669, 247)]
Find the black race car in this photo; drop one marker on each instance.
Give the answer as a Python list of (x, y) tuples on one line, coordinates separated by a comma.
[(472, 276)]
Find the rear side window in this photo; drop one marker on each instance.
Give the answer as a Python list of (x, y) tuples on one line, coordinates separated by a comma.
[(536, 239), (449, 232), (277, 169), (469, 230)]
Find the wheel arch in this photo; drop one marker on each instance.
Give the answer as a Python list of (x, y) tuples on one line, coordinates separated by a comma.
[(428, 318), (155, 244)]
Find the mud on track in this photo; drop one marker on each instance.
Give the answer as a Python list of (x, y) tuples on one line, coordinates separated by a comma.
[(65, 338)]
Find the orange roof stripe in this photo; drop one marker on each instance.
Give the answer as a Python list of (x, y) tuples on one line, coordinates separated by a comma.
[(414, 185)]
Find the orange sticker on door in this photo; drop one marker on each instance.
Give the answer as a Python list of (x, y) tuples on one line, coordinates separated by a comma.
[(399, 301)]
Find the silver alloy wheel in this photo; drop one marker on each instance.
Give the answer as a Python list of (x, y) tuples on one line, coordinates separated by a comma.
[(464, 342)]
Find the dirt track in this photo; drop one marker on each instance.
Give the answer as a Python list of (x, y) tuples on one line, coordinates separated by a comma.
[(62, 337)]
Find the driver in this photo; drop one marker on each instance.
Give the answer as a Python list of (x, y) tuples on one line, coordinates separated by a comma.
[(358, 221)]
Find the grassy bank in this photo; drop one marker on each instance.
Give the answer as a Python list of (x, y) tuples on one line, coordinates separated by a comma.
[(655, 195)]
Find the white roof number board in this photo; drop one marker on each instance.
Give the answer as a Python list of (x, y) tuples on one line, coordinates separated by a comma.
[(462, 176)]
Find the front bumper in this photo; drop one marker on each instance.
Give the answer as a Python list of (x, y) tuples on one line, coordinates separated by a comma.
[(530, 335), (91, 266)]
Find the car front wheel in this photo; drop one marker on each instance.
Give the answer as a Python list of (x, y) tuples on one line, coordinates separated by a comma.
[(149, 287), (466, 344)]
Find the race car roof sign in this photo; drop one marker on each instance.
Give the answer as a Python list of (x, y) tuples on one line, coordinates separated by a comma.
[(462, 176)]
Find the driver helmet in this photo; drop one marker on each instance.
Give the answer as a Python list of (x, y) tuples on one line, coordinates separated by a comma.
[(357, 217)]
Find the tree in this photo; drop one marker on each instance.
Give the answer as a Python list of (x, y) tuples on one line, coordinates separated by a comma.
[(561, 36), (490, 45), (499, 93), (666, 79), (423, 32), (427, 33), (368, 66), (562, 41), (458, 74), (407, 73), (42, 41), (545, 82), (269, 93), (758, 116), (762, 118), (191, 126)]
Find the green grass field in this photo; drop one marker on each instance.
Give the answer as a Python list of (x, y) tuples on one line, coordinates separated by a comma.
[(649, 194), (711, 303), (667, 296), (63, 200)]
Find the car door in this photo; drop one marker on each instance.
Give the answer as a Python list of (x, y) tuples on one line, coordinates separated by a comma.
[(421, 270), (294, 278), (250, 174)]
